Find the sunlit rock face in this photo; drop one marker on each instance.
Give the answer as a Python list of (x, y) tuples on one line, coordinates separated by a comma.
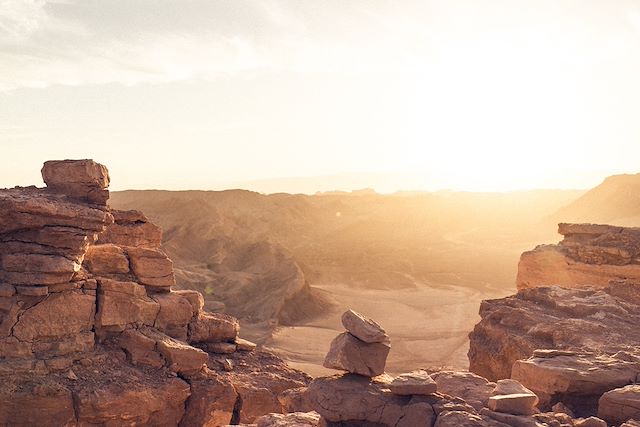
[(91, 331), (589, 255)]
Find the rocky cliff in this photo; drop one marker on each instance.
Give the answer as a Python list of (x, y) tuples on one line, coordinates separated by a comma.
[(91, 331), (569, 334), (589, 255)]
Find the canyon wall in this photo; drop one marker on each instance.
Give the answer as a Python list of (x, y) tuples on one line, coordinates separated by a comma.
[(91, 331)]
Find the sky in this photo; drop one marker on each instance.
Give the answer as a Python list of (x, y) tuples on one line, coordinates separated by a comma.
[(307, 95)]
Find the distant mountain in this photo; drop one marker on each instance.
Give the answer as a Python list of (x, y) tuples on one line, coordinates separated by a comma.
[(615, 201)]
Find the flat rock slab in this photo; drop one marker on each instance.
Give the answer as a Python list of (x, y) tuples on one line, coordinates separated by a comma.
[(515, 404), (416, 382), (363, 328)]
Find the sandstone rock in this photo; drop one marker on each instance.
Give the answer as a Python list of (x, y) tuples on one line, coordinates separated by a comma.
[(83, 179), (211, 403), (259, 378), (416, 382), (511, 397), (295, 419), (589, 255), (195, 298), (631, 423), (244, 345), (295, 400), (213, 327), (594, 422), (181, 357), (106, 259), (349, 398), (349, 354), (577, 380), (44, 406), (473, 389), (33, 291), (462, 419), (7, 290), (140, 349), (621, 404), (363, 328), (132, 228), (221, 347), (35, 210), (133, 404), (60, 315), (174, 315), (515, 403), (125, 306), (551, 318), (152, 267)]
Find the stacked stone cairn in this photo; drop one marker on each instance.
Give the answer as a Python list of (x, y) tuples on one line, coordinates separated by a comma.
[(366, 396)]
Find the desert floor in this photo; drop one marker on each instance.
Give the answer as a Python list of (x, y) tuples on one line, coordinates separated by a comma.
[(428, 325)]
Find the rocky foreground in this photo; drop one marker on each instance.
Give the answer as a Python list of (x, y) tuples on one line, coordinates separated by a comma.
[(92, 333)]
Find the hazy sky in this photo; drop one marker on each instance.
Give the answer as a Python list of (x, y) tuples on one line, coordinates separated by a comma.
[(476, 94)]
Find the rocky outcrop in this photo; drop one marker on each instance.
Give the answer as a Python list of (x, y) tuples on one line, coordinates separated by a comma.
[(574, 346), (91, 331), (420, 398), (589, 255), (553, 318)]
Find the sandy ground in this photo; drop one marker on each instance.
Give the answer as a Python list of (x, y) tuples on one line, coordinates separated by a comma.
[(428, 326)]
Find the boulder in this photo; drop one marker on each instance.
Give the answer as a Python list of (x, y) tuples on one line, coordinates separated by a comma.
[(181, 357), (121, 304), (152, 267), (213, 327), (473, 389), (363, 328), (132, 228), (577, 379), (106, 259), (174, 315), (356, 398), (140, 349), (620, 404), (350, 354), (49, 405), (211, 403), (82, 179), (512, 328), (294, 419), (134, 403), (416, 382), (511, 397)]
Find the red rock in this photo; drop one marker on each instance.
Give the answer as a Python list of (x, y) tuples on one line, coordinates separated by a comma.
[(211, 403), (43, 406), (106, 259), (134, 403), (132, 228), (82, 179), (140, 349), (152, 267), (621, 404), (350, 354), (174, 315), (213, 327)]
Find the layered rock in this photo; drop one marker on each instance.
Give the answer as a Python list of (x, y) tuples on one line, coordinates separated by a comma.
[(553, 318), (91, 332), (589, 255)]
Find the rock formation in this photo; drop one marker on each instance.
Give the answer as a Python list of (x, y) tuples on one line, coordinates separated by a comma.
[(91, 331), (569, 335), (440, 399), (589, 255)]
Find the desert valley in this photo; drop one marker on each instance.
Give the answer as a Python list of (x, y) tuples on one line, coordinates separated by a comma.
[(304, 213)]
